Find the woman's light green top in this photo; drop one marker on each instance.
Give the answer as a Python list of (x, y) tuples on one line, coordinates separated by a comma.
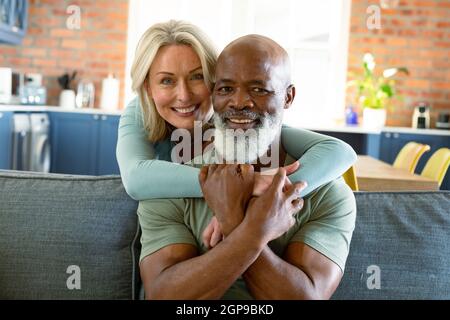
[(148, 173)]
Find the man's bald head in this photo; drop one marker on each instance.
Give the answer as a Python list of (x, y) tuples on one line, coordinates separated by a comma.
[(259, 49)]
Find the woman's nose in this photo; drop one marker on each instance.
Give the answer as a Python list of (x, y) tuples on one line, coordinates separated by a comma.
[(183, 91)]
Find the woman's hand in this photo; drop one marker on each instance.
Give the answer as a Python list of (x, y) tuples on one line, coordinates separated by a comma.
[(264, 180), (212, 235)]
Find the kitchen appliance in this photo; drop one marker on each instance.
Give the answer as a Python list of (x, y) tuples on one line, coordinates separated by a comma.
[(5, 85), (421, 116), (31, 142), (33, 93), (10, 84), (443, 121)]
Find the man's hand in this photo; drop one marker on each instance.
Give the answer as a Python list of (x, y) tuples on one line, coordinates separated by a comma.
[(271, 214), (227, 189), (264, 180)]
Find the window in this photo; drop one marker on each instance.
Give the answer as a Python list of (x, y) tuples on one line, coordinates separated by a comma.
[(315, 34)]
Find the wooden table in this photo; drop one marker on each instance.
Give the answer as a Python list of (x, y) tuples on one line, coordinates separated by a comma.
[(376, 175)]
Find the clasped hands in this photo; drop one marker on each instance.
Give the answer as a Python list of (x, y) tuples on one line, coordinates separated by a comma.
[(267, 202)]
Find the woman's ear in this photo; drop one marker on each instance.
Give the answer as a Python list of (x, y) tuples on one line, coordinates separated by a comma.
[(290, 95)]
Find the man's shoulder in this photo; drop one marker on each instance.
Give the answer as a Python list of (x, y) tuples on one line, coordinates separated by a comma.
[(180, 204), (156, 205), (334, 192)]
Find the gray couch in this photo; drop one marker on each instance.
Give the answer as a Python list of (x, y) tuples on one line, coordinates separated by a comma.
[(77, 237)]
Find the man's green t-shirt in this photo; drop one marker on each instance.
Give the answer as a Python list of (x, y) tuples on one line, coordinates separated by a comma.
[(325, 223)]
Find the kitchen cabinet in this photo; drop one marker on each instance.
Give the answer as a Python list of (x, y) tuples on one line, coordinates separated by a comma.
[(84, 143), (393, 142), (106, 151), (387, 144), (362, 143), (13, 20), (5, 139)]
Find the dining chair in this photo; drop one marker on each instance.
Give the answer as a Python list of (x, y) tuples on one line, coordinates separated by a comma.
[(437, 165), (409, 156), (350, 178)]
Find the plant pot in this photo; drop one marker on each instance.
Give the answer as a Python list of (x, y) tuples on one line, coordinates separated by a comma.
[(374, 118)]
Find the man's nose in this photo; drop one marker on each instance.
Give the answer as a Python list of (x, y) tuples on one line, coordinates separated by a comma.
[(241, 100), (183, 91)]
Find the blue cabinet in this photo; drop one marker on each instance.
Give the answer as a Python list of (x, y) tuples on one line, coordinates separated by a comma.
[(5, 139), (74, 139), (393, 142), (106, 155), (84, 143), (13, 20), (362, 143)]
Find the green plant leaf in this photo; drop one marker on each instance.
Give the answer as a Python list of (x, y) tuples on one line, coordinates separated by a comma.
[(387, 89)]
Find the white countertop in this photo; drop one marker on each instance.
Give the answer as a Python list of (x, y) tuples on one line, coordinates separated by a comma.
[(363, 130), (327, 128), (28, 108)]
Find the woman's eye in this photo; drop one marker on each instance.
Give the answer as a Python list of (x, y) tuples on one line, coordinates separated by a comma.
[(166, 81), (197, 76)]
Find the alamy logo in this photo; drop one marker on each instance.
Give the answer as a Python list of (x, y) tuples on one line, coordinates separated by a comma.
[(374, 279), (74, 280), (374, 20), (73, 22)]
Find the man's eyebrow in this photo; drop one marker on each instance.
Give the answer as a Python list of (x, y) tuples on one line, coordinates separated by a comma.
[(258, 82), (225, 81)]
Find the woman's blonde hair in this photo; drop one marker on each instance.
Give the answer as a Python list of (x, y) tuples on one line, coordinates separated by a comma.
[(162, 34)]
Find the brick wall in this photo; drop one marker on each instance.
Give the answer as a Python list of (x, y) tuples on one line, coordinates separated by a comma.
[(416, 35), (94, 50)]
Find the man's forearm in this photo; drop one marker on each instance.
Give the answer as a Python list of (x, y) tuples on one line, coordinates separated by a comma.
[(271, 277), (210, 275)]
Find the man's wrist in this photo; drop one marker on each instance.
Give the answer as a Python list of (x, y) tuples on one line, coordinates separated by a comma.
[(234, 218)]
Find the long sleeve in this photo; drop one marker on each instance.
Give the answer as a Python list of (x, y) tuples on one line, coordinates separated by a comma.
[(322, 158), (143, 175)]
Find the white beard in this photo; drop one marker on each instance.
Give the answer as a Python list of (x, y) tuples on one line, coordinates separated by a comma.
[(239, 146)]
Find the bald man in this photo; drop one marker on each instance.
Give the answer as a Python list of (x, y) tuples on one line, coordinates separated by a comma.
[(275, 246)]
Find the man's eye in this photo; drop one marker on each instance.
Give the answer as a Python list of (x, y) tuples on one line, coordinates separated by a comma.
[(259, 91), (224, 90), (197, 76)]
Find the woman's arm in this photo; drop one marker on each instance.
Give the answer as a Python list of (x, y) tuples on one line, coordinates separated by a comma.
[(322, 158), (143, 176)]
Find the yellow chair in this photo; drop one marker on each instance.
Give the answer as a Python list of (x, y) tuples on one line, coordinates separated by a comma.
[(350, 178), (437, 165), (409, 156)]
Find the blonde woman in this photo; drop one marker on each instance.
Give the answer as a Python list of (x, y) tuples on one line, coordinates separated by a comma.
[(173, 76)]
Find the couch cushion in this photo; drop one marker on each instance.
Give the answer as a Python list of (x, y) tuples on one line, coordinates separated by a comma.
[(51, 222), (400, 247)]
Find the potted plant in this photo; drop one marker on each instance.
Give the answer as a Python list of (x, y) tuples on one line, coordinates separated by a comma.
[(375, 92)]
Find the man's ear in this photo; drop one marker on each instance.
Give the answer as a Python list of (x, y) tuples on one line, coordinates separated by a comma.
[(290, 95)]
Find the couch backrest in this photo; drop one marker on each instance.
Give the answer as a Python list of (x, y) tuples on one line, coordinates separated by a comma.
[(48, 223), (400, 247), (58, 232)]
